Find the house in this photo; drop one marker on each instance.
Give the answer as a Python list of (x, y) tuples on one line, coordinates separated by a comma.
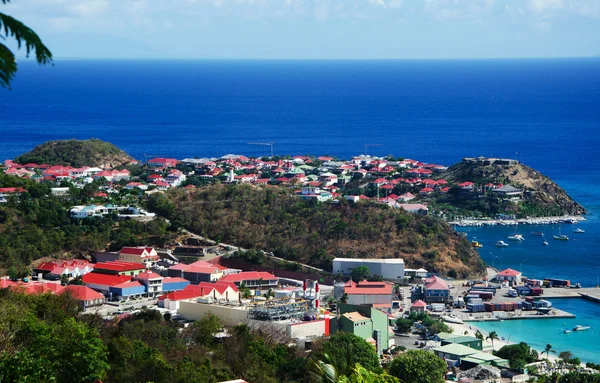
[(366, 322), (152, 282), (416, 208), (146, 255), (436, 290), (415, 273), (468, 357), (315, 193), (508, 191), (510, 275), (163, 162), (418, 307), (406, 197), (174, 284), (197, 274), (426, 191), (252, 279), (87, 297), (7, 192), (376, 294), (119, 268), (215, 292), (74, 268), (104, 282), (469, 341), (390, 268)]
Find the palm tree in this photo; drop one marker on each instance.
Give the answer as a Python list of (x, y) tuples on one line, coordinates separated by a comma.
[(478, 335), (492, 336), (548, 350), (322, 371), (24, 36)]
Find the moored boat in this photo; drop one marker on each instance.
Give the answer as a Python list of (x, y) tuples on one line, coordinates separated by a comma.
[(561, 237), (544, 243), (581, 328), (579, 231), (537, 233), (452, 319), (501, 244), (516, 237)]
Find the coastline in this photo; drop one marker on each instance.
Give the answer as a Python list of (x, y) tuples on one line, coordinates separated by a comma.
[(520, 221)]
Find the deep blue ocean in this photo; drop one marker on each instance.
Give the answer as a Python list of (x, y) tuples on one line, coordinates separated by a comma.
[(545, 113)]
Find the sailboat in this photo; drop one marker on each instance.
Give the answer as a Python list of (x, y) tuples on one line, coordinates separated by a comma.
[(560, 237)]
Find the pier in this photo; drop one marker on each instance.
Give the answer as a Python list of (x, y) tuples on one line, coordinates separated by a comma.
[(520, 221)]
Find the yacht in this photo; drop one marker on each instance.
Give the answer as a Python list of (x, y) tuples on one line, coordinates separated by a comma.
[(501, 244), (579, 231), (452, 319), (476, 244), (544, 243), (516, 237), (561, 237), (581, 328), (537, 233)]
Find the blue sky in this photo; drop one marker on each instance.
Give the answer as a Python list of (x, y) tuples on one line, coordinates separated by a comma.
[(319, 29)]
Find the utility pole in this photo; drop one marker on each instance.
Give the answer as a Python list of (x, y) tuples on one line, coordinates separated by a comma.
[(264, 144), (367, 145)]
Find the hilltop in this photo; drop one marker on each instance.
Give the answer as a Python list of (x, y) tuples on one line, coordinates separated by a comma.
[(274, 219), (77, 153), (540, 195)]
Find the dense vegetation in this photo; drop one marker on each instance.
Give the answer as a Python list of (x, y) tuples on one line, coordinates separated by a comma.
[(542, 196), (274, 219), (45, 338), (77, 153), (36, 225)]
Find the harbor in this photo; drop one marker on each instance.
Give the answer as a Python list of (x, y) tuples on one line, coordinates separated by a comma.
[(473, 222)]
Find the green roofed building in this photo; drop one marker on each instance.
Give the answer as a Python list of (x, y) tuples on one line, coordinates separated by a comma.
[(366, 322), (469, 341), (468, 357)]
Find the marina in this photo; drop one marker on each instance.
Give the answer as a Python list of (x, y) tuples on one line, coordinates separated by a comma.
[(571, 219)]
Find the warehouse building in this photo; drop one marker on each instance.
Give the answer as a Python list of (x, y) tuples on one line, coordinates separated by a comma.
[(390, 268)]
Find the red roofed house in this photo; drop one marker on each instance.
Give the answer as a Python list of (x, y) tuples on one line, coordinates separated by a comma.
[(436, 290), (218, 291), (252, 279), (146, 255), (73, 268), (418, 307), (509, 275), (87, 297), (426, 191), (103, 282), (406, 197), (37, 288), (163, 162), (377, 294), (119, 268), (152, 281)]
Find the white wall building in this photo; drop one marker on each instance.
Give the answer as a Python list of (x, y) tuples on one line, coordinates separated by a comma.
[(390, 268)]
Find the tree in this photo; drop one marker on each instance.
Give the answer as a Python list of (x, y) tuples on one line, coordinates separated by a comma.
[(492, 336), (404, 324), (518, 355), (478, 335), (24, 36), (418, 366), (548, 349), (361, 273), (245, 291), (345, 350), (579, 377), (565, 356), (362, 375)]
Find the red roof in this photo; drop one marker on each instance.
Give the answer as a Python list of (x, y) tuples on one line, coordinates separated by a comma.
[(105, 279), (435, 283), (119, 266), (249, 275), (4, 283), (509, 273), (125, 285), (174, 280), (82, 293), (202, 269), (145, 275), (368, 288), (419, 303)]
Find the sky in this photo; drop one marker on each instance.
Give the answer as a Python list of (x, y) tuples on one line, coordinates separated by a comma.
[(313, 29)]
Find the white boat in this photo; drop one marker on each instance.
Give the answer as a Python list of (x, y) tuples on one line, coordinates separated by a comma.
[(452, 319), (501, 244), (516, 237), (566, 331), (537, 233), (544, 243), (579, 231), (581, 328), (561, 237)]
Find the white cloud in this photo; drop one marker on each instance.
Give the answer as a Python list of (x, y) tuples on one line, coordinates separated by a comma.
[(543, 6), (89, 8)]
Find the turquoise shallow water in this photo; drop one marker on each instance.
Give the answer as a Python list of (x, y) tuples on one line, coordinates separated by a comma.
[(539, 332)]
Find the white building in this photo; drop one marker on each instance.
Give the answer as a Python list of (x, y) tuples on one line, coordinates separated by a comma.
[(390, 268)]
